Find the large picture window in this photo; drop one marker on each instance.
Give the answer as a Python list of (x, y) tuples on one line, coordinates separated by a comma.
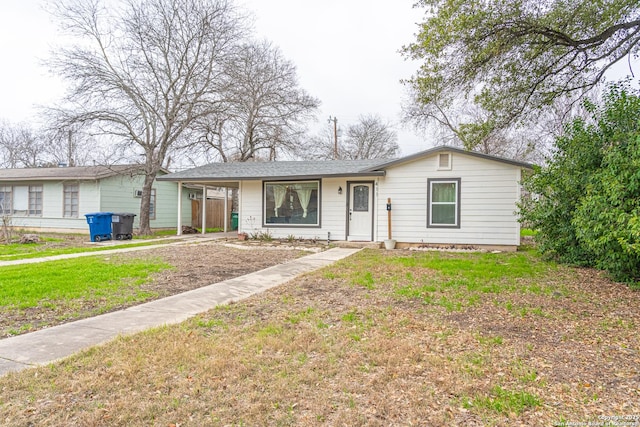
[(294, 203), (443, 203)]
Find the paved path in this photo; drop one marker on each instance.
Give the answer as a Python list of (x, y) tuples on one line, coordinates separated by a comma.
[(48, 345)]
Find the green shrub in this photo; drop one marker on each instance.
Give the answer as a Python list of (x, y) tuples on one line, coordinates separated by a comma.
[(586, 201)]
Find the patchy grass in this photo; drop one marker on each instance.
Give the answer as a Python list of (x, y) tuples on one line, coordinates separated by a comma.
[(70, 289), (367, 341), (15, 251), (66, 281)]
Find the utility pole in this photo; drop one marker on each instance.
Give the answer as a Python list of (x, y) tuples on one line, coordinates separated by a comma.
[(335, 136)]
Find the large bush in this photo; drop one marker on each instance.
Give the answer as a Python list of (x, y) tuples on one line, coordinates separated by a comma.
[(585, 202)]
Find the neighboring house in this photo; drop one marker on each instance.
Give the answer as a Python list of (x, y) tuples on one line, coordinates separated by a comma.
[(56, 199), (441, 196)]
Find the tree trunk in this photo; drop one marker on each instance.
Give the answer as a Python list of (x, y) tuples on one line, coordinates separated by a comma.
[(145, 227)]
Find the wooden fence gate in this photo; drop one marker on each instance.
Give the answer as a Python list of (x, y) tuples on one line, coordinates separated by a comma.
[(215, 214)]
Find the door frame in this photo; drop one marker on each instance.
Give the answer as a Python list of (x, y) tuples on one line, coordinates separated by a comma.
[(348, 205)]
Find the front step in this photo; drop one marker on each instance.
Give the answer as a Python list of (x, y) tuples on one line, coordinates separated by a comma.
[(349, 244)]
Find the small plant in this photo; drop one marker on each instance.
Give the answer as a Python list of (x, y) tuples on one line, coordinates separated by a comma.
[(291, 238), (264, 236)]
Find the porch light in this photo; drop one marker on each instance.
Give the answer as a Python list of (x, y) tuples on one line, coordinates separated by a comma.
[(340, 190)]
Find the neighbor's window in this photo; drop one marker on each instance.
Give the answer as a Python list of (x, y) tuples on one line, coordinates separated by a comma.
[(443, 203), (152, 204), (70, 201), (294, 203), (35, 200), (5, 200)]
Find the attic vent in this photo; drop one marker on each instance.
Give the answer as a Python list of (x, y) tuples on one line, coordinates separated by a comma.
[(137, 193), (444, 161)]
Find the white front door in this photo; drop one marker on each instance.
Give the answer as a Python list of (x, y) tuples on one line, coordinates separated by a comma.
[(360, 211)]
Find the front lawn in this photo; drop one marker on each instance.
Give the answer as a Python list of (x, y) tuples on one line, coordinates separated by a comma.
[(381, 338), (72, 288), (50, 246)]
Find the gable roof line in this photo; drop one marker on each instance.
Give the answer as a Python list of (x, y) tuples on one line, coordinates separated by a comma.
[(446, 148), (70, 173), (306, 169)]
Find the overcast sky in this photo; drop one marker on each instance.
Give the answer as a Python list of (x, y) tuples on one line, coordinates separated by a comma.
[(346, 53)]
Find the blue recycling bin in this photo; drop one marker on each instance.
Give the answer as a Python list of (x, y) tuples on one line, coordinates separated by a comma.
[(99, 225)]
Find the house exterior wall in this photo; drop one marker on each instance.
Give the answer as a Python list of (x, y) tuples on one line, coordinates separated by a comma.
[(112, 194), (333, 212), (117, 194), (489, 191), (53, 206)]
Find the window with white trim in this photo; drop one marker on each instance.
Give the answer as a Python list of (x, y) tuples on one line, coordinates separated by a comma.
[(5, 200), (152, 204), (292, 203), (35, 200), (70, 200), (443, 207)]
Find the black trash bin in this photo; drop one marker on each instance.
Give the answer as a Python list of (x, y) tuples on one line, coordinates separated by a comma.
[(122, 225)]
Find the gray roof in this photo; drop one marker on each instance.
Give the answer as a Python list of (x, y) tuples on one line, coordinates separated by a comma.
[(277, 170), (247, 171), (446, 148), (68, 173)]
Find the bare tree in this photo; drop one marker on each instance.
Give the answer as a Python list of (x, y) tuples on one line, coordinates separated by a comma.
[(21, 146), (369, 138), (322, 145), (143, 72), (265, 110), (525, 142)]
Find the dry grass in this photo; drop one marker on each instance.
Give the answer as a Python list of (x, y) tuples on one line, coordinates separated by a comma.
[(376, 339)]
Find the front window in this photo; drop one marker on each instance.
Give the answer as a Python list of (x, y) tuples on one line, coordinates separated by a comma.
[(5, 200), (35, 200), (70, 201), (294, 203), (444, 203)]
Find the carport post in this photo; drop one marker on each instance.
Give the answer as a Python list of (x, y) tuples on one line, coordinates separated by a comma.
[(226, 208), (204, 209), (179, 230)]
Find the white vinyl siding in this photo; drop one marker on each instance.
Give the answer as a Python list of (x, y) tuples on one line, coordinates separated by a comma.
[(488, 192), (333, 212)]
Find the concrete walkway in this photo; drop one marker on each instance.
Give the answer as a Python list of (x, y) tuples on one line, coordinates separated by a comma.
[(48, 345)]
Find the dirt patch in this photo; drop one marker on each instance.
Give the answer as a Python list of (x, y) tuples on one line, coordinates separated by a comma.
[(344, 346), (194, 265)]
